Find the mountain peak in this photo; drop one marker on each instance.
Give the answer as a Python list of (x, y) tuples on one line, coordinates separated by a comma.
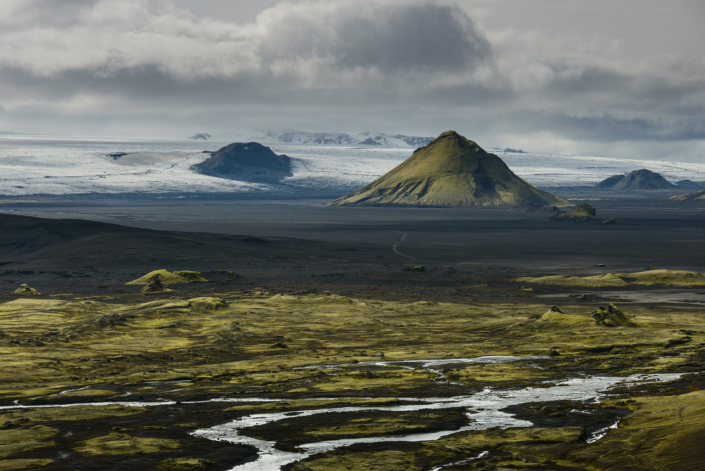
[(451, 171)]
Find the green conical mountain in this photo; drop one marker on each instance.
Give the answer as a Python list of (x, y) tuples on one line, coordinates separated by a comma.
[(450, 171)]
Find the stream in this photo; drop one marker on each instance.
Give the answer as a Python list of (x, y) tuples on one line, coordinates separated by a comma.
[(484, 409)]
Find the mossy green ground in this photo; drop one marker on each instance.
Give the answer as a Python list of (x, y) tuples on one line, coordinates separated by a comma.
[(255, 345), (665, 278)]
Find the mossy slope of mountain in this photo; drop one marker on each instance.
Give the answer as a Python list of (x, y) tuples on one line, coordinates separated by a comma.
[(450, 171), (692, 197), (247, 162), (637, 180)]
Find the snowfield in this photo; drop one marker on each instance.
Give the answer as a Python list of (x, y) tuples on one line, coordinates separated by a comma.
[(33, 166)]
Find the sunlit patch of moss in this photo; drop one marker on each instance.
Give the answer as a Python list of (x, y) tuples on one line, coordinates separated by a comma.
[(207, 304), (502, 372), (186, 463), (452, 447), (598, 281), (360, 381), (671, 278), (17, 440), (379, 461), (72, 413), (665, 432), (123, 444), (11, 465)]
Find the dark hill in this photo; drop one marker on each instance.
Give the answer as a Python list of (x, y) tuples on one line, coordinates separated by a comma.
[(638, 180), (610, 182), (450, 171), (247, 162)]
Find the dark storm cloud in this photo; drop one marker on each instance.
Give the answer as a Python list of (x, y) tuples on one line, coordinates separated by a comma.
[(428, 37)]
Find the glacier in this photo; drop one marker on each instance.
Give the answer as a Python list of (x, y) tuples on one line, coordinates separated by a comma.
[(72, 166)]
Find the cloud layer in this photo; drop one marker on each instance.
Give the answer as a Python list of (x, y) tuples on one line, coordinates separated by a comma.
[(416, 66)]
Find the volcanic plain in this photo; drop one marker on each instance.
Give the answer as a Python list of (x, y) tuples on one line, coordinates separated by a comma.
[(349, 338)]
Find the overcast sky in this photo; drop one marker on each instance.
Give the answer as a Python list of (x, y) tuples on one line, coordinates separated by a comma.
[(622, 78)]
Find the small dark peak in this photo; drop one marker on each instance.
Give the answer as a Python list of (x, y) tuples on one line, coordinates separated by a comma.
[(248, 162), (609, 222), (555, 309), (638, 180)]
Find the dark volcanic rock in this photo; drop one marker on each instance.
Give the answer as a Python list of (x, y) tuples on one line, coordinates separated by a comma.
[(247, 162)]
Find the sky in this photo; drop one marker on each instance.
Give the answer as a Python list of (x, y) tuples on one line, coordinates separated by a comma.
[(618, 78)]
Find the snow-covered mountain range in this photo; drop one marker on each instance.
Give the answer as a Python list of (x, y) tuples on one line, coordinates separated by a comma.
[(344, 139)]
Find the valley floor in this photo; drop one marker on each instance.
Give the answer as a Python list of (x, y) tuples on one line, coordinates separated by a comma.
[(329, 351)]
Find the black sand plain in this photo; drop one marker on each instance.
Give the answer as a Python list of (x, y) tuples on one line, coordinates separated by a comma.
[(90, 344)]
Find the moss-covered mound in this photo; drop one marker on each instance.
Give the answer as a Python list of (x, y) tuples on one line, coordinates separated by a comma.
[(450, 171), (25, 290), (583, 213), (207, 304), (168, 278), (555, 318), (612, 316), (674, 278), (598, 281)]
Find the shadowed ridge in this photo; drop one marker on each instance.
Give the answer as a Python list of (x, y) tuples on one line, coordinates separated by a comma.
[(637, 180), (450, 171)]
